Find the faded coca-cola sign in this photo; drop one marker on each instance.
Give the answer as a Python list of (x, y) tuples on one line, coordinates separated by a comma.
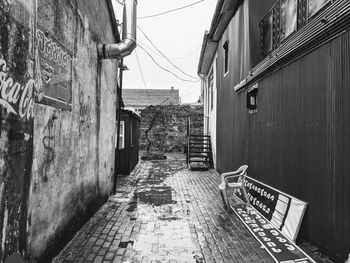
[(14, 96)]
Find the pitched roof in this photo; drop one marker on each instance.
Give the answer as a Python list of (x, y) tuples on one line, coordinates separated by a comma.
[(147, 97), (224, 11)]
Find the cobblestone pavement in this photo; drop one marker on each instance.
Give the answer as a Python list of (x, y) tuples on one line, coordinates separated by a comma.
[(164, 212)]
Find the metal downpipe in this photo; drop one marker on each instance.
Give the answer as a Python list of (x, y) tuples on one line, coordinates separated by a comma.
[(128, 43)]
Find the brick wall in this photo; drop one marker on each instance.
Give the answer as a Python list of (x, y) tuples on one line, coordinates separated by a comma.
[(169, 132)]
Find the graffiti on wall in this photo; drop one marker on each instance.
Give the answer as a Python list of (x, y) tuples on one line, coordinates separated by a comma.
[(48, 143), (84, 112), (55, 71)]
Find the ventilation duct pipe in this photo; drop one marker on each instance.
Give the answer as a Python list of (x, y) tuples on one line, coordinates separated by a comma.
[(128, 43)]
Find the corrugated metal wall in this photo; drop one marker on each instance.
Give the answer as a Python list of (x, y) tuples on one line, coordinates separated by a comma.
[(298, 141), (230, 150), (340, 50)]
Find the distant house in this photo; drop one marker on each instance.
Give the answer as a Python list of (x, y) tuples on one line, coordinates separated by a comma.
[(138, 99)]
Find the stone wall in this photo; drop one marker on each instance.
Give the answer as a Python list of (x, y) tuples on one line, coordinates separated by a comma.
[(57, 121), (170, 129)]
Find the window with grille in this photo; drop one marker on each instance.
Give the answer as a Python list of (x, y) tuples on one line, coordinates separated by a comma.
[(266, 28), (313, 6), (289, 12), (283, 19)]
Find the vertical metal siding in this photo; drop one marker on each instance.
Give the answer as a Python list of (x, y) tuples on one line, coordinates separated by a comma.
[(231, 149), (298, 141), (341, 187)]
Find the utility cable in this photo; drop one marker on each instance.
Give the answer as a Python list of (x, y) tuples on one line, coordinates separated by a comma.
[(138, 63), (163, 67), (165, 55), (189, 90), (149, 48), (143, 78), (183, 96), (188, 54), (169, 11)]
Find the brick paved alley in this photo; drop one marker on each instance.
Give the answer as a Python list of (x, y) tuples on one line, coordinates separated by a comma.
[(164, 212)]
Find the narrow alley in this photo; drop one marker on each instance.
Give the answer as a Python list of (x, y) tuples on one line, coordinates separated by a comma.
[(163, 212), (108, 107)]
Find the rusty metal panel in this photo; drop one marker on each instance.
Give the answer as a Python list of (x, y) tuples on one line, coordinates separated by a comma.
[(55, 71)]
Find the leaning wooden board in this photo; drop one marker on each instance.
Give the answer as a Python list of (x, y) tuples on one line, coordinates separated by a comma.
[(279, 247)]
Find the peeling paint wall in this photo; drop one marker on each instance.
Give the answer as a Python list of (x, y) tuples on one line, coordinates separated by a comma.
[(16, 122), (57, 112)]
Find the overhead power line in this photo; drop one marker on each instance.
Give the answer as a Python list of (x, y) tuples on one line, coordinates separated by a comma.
[(169, 71), (193, 91), (140, 69), (189, 90), (138, 63), (149, 48), (165, 55), (170, 11), (189, 54)]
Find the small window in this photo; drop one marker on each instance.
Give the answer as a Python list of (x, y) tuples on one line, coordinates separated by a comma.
[(313, 6), (289, 15), (252, 99), (121, 136), (225, 57)]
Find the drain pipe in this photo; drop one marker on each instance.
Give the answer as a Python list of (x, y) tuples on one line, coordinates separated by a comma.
[(128, 43), (119, 51)]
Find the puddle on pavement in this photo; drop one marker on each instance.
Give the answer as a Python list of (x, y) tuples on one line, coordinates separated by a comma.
[(165, 235), (164, 241), (125, 244), (155, 196), (160, 195)]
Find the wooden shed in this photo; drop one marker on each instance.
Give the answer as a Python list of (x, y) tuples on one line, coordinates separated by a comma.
[(127, 156)]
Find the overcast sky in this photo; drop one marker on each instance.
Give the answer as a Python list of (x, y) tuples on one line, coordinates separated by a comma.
[(178, 35)]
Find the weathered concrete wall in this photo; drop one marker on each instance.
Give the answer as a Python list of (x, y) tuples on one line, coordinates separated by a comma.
[(170, 125), (56, 156), (16, 134)]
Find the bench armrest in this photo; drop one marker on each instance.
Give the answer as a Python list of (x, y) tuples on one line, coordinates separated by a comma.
[(238, 173)]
